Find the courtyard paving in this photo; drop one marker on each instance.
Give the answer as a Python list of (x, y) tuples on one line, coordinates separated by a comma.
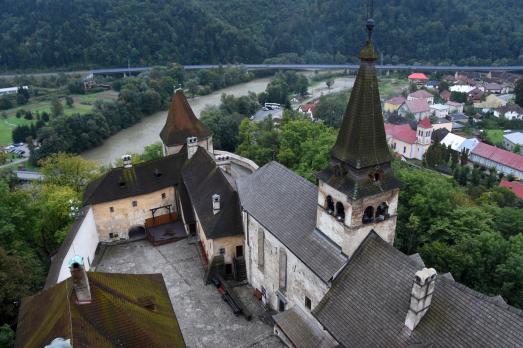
[(204, 318)]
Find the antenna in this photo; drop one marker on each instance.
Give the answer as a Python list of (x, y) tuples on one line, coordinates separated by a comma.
[(370, 21)]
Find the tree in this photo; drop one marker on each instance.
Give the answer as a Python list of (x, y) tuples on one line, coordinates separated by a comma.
[(62, 169), (7, 336), (224, 127), (517, 149), (331, 109), (519, 92), (192, 87), (22, 95), (464, 175), (28, 115), (69, 101), (329, 83), (459, 97), (56, 107), (152, 152), (443, 86), (5, 103)]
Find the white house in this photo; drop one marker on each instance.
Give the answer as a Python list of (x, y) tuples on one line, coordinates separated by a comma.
[(510, 141), (509, 111), (462, 88), (11, 90), (440, 110), (454, 106)]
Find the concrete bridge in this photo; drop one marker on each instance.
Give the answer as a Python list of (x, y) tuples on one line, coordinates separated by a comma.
[(399, 67)]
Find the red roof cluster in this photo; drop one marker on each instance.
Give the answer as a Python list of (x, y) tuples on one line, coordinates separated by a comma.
[(418, 76), (421, 94), (425, 123), (514, 186), (401, 132), (498, 155)]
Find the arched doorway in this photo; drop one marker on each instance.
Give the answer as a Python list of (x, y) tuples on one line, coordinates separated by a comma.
[(137, 232)]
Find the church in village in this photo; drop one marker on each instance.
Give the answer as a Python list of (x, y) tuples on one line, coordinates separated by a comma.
[(319, 256)]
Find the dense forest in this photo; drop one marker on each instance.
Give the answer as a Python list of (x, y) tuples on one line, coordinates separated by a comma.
[(80, 33)]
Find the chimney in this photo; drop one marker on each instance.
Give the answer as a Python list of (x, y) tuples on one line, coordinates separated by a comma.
[(192, 146), (80, 281), (127, 161), (420, 296), (216, 203), (224, 162)]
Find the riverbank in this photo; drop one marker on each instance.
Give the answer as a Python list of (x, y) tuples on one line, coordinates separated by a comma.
[(147, 131)]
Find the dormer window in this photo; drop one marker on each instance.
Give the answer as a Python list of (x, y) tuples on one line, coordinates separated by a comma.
[(330, 205), (340, 212)]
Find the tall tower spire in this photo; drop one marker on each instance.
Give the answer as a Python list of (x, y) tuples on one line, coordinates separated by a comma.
[(358, 193)]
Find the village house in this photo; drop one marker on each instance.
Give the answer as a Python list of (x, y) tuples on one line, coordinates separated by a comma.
[(503, 161), (309, 108), (509, 111), (515, 186), (459, 143), (462, 88), (439, 110), (419, 108), (421, 95), (408, 142), (454, 107), (491, 102), (442, 123), (495, 88), (476, 96), (512, 140), (445, 95), (418, 79), (393, 104)]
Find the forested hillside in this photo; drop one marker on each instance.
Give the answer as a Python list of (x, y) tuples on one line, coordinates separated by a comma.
[(82, 33)]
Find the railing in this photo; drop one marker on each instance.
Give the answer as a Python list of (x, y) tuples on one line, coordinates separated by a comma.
[(160, 220)]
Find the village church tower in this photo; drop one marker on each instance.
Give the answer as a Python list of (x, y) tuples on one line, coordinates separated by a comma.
[(359, 192)]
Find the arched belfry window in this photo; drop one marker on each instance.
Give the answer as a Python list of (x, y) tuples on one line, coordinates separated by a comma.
[(340, 212), (329, 205), (382, 212), (368, 215)]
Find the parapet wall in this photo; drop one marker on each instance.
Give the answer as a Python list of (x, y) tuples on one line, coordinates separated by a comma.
[(81, 240), (238, 160)]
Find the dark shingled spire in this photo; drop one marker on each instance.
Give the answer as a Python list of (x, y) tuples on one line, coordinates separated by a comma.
[(181, 122), (361, 141), (360, 159)]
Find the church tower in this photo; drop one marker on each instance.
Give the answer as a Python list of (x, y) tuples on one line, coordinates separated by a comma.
[(358, 193), (182, 125)]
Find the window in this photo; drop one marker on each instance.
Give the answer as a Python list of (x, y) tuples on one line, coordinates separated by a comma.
[(308, 303), (163, 195), (368, 215), (111, 209), (382, 212), (111, 235), (283, 270), (404, 149), (340, 212), (222, 251), (261, 248), (135, 203), (330, 205)]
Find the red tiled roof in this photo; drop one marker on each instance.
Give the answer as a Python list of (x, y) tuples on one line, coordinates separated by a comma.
[(498, 155), (445, 95), (309, 106), (396, 100), (418, 76), (425, 123), (416, 106), (421, 94), (401, 132), (514, 186)]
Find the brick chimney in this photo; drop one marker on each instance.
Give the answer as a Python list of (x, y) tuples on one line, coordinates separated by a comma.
[(224, 162), (216, 206), (192, 146), (420, 296), (80, 281), (127, 161)]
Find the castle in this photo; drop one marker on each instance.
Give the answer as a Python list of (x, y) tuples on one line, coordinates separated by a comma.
[(321, 256)]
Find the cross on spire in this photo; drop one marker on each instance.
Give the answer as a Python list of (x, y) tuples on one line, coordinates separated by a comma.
[(370, 21)]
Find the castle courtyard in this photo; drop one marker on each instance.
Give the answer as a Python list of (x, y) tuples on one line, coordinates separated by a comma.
[(204, 318)]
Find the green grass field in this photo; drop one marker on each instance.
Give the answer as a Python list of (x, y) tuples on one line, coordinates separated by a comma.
[(391, 87), (494, 136), (83, 104)]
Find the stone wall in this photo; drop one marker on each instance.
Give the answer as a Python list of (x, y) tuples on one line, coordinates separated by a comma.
[(124, 215), (350, 233), (301, 281)]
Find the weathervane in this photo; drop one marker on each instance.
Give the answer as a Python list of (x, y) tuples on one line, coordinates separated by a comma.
[(370, 21)]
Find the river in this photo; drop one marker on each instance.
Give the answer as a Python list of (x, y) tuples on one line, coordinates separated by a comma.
[(135, 138)]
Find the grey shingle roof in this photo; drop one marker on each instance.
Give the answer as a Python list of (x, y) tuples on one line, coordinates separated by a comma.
[(368, 303), (202, 179), (285, 204)]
